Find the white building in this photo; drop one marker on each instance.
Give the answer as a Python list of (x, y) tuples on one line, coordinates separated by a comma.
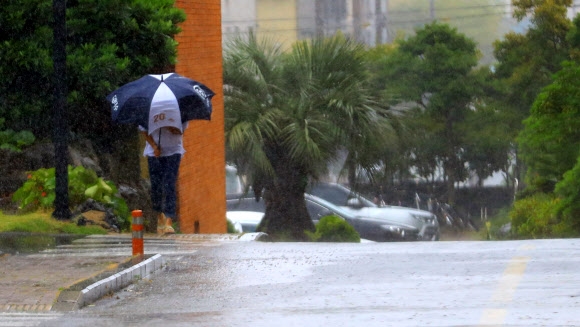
[(574, 10), (238, 18)]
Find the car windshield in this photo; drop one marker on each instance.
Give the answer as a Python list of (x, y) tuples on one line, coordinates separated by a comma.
[(337, 194), (328, 205)]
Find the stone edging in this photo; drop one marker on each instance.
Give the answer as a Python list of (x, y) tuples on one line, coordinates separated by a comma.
[(120, 280), (73, 300)]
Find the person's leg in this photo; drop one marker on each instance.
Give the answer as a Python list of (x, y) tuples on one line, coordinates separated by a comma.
[(171, 173), (156, 178)]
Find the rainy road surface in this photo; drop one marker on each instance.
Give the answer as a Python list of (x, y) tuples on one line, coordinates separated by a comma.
[(512, 283)]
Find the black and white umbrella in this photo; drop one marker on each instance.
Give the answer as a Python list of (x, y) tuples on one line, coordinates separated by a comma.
[(156, 101)]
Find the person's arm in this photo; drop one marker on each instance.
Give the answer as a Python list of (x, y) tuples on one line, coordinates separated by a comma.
[(151, 141), (177, 131)]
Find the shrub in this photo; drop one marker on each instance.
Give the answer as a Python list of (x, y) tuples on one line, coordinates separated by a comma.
[(535, 216), (38, 192), (333, 228), (231, 229), (569, 208), (15, 141)]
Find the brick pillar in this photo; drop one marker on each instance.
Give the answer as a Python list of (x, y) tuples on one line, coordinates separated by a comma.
[(201, 186)]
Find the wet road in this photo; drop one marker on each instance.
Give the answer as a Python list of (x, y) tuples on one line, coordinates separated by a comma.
[(515, 283)]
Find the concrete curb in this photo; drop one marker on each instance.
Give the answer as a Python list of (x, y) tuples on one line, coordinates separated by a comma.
[(120, 280), (74, 300)]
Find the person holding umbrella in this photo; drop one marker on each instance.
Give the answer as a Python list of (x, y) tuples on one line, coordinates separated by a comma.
[(162, 105), (163, 161), (164, 156)]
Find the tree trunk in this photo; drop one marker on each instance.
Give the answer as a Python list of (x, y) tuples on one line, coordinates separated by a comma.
[(61, 130), (451, 190), (286, 217)]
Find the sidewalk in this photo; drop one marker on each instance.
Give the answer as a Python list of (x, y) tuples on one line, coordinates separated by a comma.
[(32, 283), (39, 282)]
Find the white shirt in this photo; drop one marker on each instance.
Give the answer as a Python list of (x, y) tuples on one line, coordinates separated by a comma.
[(168, 142)]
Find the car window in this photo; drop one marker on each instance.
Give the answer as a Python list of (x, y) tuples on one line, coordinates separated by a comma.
[(328, 206), (316, 211), (337, 194), (245, 204)]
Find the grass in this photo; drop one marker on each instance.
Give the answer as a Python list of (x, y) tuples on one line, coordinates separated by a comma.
[(42, 222)]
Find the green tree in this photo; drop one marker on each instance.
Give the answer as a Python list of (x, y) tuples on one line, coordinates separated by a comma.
[(394, 157), (289, 115), (480, 20), (487, 145), (550, 141), (433, 71), (550, 148), (569, 208), (109, 42), (527, 61)]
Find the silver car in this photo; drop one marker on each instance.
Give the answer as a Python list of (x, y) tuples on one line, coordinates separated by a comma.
[(398, 225), (378, 222)]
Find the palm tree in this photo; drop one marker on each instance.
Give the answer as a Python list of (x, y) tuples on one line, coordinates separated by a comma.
[(289, 114)]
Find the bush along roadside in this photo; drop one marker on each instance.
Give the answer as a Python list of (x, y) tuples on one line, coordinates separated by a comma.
[(86, 192), (333, 228)]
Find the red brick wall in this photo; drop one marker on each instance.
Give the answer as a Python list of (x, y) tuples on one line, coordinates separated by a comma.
[(202, 205)]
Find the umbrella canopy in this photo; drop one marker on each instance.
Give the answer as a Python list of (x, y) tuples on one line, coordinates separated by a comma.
[(156, 101)]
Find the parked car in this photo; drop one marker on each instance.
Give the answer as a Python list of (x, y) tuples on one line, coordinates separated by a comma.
[(245, 221), (419, 224), (380, 229)]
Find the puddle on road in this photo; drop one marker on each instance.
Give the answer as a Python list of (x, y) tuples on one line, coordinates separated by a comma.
[(25, 243)]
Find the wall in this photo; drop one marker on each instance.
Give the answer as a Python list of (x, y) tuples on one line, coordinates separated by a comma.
[(277, 21), (202, 205), (238, 18)]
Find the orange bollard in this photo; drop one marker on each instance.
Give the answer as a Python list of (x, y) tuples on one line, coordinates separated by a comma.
[(137, 228)]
